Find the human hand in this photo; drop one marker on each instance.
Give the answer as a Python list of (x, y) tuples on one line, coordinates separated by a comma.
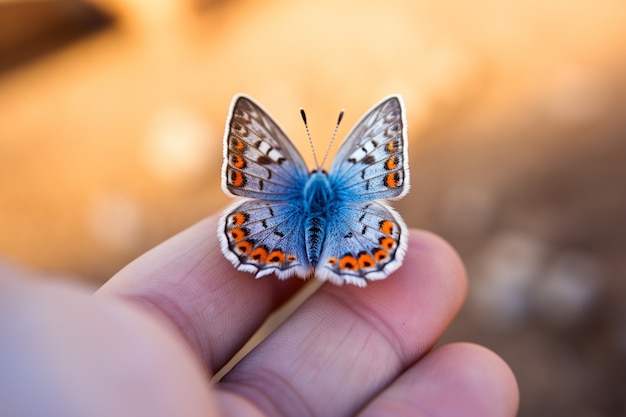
[(147, 343)]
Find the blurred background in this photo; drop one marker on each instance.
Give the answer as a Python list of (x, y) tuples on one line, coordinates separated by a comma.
[(112, 114)]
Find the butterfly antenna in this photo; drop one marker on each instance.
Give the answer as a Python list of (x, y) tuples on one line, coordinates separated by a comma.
[(332, 139), (308, 135)]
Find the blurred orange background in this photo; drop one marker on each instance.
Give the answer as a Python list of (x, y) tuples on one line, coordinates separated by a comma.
[(112, 114)]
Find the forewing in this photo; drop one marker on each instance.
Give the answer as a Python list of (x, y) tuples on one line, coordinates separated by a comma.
[(262, 237), (259, 160), (372, 162), (366, 241)]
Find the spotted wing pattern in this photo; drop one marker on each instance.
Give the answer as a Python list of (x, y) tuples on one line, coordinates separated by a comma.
[(259, 160), (372, 163), (368, 242), (260, 238)]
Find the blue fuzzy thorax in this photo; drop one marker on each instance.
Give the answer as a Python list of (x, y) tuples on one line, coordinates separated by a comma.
[(318, 193)]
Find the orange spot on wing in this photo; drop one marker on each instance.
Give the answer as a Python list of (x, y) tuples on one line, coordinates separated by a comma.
[(392, 180), (258, 254), (237, 145), (348, 262), (238, 161), (387, 243), (291, 257), (239, 218), (386, 227), (380, 254), (238, 234), (332, 261), (392, 146), (244, 247), (276, 257), (365, 260), (391, 163), (237, 178)]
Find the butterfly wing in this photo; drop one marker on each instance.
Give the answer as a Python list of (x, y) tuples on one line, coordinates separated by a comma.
[(372, 162), (259, 160), (368, 242), (368, 239), (260, 237)]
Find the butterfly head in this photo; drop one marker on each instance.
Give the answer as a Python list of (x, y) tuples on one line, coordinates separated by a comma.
[(318, 193), (319, 171)]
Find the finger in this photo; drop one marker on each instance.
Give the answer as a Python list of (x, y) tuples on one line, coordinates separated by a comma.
[(188, 282), (460, 379), (345, 344), (65, 353)]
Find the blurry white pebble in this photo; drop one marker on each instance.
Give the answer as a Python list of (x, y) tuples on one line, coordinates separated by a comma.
[(571, 286), (575, 96), (179, 145), (502, 281)]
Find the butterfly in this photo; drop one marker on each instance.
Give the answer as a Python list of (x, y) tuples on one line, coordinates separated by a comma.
[(334, 225)]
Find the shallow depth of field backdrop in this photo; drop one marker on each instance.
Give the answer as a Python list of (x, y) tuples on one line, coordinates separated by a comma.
[(111, 122)]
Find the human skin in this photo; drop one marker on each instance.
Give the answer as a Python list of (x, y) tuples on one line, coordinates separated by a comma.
[(148, 342)]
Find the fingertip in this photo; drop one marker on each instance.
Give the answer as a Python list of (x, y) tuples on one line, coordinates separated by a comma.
[(455, 380), (431, 283), (436, 255), (481, 381)]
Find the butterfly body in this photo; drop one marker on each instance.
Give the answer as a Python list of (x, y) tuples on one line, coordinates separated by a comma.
[(319, 204), (295, 222)]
